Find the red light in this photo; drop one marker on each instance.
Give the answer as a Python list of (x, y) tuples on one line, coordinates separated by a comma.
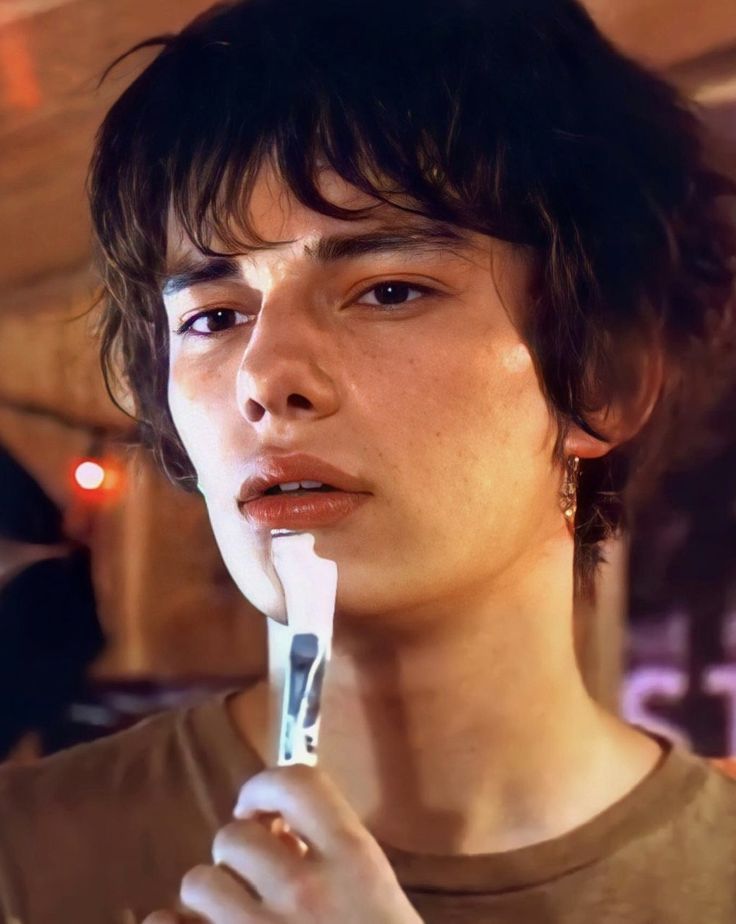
[(89, 475), (96, 479)]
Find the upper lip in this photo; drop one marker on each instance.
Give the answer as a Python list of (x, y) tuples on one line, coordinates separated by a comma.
[(268, 471)]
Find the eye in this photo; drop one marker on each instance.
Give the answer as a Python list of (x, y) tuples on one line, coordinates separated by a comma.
[(213, 321), (393, 292)]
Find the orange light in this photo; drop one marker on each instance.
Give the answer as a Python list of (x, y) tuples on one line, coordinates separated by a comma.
[(89, 475), (97, 479), (18, 76)]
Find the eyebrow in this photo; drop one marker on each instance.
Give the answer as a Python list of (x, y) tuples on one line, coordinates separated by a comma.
[(199, 270)]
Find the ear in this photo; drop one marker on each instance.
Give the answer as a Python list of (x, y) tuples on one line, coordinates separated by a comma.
[(636, 389)]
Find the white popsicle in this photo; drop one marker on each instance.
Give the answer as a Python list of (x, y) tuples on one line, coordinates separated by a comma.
[(310, 587)]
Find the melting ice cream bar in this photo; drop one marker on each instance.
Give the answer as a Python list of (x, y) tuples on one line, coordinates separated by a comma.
[(310, 587)]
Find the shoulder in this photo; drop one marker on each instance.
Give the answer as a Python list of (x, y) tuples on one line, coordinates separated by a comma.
[(148, 798), (77, 776), (154, 759), (705, 828), (716, 804), (709, 788), (74, 811), (70, 803)]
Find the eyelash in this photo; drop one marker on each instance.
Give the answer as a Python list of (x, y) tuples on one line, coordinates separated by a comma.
[(186, 328)]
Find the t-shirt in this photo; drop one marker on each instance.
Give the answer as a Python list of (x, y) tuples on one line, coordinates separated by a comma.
[(103, 833)]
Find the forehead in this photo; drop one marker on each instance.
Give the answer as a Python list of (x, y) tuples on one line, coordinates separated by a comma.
[(272, 214)]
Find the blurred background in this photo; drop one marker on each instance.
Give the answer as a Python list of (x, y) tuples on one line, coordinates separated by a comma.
[(114, 601)]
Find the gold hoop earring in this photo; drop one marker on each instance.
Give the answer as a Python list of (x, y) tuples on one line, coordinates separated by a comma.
[(569, 491)]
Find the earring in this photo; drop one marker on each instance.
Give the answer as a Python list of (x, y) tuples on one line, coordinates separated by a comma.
[(569, 491)]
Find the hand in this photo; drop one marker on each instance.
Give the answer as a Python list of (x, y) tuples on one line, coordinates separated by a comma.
[(325, 868)]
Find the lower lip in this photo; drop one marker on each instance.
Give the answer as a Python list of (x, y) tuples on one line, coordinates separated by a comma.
[(283, 512)]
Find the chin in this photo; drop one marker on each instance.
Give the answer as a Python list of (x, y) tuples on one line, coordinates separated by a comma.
[(259, 584), (249, 563)]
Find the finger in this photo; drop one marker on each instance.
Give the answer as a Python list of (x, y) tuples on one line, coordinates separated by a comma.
[(260, 858), (309, 803), (277, 826), (163, 917), (217, 896)]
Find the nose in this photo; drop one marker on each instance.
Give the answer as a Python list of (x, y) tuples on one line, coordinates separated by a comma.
[(283, 375)]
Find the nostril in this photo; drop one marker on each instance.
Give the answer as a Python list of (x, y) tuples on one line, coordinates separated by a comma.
[(254, 411), (299, 401)]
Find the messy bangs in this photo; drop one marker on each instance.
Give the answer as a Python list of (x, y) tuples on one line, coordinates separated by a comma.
[(194, 130)]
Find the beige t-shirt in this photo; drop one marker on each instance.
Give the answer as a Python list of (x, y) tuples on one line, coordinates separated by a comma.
[(103, 833)]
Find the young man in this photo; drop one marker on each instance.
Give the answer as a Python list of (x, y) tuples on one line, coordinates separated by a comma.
[(455, 260)]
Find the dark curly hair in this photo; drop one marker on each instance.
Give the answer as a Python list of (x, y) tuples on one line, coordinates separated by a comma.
[(515, 119)]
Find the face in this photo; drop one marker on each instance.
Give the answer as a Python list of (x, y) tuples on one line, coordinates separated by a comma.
[(390, 351)]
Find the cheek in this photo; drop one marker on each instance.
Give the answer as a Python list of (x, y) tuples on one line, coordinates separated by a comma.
[(511, 410), (452, 408), (197, 397), (500, 443), (199, 408), (463, 440)]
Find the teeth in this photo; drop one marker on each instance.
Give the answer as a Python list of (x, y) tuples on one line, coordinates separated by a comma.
[(295, 485)]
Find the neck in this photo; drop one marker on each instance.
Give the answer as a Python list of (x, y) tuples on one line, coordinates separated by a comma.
[(477, 734)]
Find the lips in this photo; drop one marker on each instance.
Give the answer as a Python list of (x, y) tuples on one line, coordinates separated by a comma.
[(304, 509)]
